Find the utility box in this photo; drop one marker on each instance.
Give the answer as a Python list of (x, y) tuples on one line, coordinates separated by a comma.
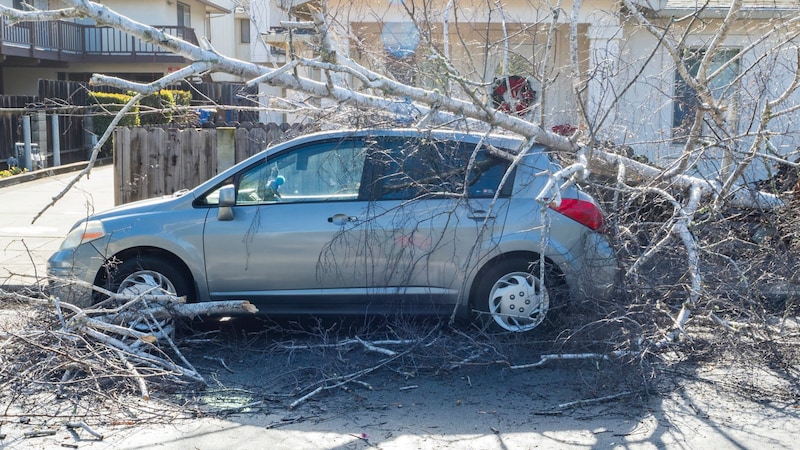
[(35, 156)]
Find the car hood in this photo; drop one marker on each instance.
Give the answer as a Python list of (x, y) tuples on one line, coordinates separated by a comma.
[(165, 203)]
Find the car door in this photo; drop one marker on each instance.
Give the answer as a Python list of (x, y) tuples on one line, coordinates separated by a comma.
[(437, 206), (296, 239)]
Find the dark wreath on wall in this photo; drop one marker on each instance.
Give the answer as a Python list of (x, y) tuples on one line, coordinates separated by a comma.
[(513, 94)]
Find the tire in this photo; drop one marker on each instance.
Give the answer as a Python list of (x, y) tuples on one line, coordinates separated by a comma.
[(151, 274), (509, 297)]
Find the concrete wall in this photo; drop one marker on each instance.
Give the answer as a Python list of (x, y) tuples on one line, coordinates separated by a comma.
[(644, 114)]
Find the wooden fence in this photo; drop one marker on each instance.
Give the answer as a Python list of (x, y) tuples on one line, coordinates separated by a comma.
[(154, 161), (70, 98)]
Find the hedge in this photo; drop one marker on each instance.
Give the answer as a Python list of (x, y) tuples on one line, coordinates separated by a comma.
[(163, 101)]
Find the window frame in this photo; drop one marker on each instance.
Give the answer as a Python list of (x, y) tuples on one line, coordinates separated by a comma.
[(244, 31), (684, 98), (184, 13), (330, 147)]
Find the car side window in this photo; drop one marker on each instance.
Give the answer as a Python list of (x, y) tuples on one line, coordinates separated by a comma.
[(411, 168), (329, 171)]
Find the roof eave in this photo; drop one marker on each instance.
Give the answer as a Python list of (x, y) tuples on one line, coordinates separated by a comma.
[(212, 7), (721, 13)]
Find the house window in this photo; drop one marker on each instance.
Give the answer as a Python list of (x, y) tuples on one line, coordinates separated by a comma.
[(400, 43), (184, 15), (684, 109), (244, 31)]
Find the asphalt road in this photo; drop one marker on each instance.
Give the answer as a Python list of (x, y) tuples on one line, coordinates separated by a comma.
[(25, 243)]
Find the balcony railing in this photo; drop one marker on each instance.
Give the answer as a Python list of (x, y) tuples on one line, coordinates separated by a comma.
[(70, 41)]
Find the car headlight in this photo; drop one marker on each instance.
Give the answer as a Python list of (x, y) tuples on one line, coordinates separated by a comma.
[(85, 232)]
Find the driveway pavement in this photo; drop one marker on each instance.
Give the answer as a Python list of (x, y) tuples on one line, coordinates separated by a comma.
[(26, 244)]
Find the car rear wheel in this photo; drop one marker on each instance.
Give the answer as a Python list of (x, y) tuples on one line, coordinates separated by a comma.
[(509, 296)]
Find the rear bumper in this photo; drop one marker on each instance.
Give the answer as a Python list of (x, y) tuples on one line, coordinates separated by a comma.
[(599, 274)]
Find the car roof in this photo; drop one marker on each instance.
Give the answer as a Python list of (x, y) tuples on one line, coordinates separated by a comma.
[(498, 140), (505, 141)]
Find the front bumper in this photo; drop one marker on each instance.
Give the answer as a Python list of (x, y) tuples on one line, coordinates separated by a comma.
[(72, 273)]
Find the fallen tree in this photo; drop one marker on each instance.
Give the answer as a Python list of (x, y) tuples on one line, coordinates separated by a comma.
[(687, 196), (129, 335)]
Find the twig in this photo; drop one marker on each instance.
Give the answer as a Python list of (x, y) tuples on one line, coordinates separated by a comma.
[(83, 425), (728, 324), (369, 345), (136, 376), (544, 359), (155, 361), (311, 394), (39, 433), (220, 361), (374, 348), (342, 380), (364, 384), (237, 409), (175, 349), (363, 437), (593, 401), (289, 421)]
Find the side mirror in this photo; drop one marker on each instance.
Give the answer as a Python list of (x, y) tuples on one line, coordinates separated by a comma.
[(227, 200)]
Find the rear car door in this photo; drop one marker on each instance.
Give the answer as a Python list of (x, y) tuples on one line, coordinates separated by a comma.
[(437, 206)]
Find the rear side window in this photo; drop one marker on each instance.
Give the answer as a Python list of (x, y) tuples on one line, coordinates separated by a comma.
[(406, 169)]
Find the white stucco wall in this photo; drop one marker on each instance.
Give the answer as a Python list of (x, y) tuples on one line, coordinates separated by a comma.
[(644, 114), (223, 33), (154, 12)]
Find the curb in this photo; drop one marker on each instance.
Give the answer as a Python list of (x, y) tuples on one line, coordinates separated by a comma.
[(51, 171)]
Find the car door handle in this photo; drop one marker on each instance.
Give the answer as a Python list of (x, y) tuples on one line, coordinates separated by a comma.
[(341, 219), (480, 214)]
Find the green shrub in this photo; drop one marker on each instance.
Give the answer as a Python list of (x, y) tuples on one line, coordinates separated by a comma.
[(183, 99), (11, 172), (107, 105), (163, 101)]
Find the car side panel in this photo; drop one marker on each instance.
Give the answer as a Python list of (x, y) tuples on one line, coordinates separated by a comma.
[(284, 247), (431, 242)]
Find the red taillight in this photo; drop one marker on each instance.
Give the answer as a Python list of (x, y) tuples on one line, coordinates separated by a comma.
[(581, 211)]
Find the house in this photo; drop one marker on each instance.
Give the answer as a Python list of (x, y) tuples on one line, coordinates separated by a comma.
[(72, 50), (625, 76), (75, 49)]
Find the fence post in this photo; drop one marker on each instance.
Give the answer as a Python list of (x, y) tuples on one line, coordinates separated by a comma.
[(26, 139), (226, 148), (39, 133), (56, 140), (122, 165)]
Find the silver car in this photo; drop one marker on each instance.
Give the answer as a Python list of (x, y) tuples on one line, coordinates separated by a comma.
[(359, 222)]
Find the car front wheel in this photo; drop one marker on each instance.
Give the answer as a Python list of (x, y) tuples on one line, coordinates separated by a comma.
[(147, 274), (510, 296)]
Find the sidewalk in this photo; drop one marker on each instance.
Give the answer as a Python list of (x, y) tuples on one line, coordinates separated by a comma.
[(25, 246)]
